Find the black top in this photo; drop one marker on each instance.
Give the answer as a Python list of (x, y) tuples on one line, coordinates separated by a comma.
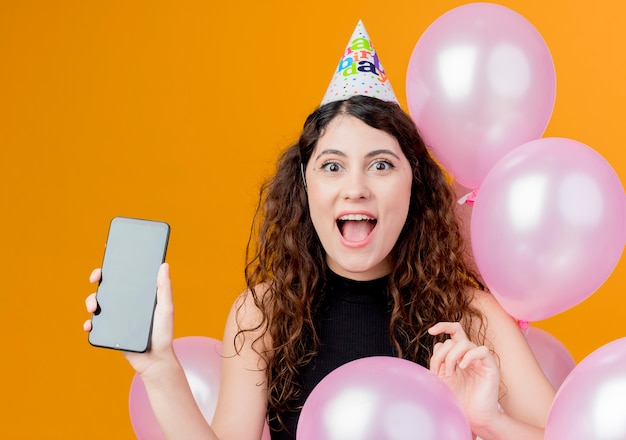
[(352, 322)]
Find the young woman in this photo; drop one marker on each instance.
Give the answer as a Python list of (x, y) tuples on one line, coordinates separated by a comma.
[(358, 254)]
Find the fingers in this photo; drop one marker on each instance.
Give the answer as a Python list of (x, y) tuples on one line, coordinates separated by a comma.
[(458, 351), (454, 329), (95, 275), (90, 302), (450, 354), (480, 353)]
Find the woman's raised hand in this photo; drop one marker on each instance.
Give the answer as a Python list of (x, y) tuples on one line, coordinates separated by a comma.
[(470, 370), (161, 349)]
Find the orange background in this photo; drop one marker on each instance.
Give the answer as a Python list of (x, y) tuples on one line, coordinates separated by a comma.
[(175, 110)]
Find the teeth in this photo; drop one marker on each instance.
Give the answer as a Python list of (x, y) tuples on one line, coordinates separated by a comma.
[(357, 217)]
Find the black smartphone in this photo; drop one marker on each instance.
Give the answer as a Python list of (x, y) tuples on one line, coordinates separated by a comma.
[(135, 249)]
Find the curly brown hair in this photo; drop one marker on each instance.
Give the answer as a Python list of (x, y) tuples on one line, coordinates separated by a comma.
[(429, 279)]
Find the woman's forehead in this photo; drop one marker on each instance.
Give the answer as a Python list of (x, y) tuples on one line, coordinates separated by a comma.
[(346, 134)]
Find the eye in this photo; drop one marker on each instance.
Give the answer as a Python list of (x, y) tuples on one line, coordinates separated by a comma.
[(382, 165), (331, 167)]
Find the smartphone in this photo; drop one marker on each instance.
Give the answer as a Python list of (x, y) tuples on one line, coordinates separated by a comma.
[(126, 295)]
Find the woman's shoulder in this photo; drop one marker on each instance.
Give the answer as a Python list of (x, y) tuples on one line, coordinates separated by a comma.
[(247, 317), (247, 307), (489, 306), (500, 326)]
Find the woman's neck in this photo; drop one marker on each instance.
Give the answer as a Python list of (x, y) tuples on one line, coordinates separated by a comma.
[(379, 271)]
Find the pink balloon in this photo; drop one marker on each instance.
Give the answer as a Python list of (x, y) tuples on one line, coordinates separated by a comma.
[(382, 398), (554, 359), (202, 362), (591, 403), (480, 82), (547, 227)]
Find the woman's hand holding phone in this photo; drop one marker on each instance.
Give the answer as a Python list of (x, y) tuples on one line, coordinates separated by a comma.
[(161, 350)]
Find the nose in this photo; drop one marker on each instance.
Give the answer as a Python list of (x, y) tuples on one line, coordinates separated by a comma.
[(355, 186)]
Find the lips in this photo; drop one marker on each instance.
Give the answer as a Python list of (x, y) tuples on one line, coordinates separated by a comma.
[(355, 227)]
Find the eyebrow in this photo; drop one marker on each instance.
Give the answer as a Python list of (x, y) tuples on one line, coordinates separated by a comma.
[(368, 155)]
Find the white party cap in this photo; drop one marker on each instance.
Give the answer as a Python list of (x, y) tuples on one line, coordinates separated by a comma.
[(359, 71)]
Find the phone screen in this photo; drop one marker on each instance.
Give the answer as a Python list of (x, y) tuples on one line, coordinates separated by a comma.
[(135, 249)]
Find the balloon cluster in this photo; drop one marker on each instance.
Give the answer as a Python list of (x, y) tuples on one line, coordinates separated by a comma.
[(547, 226), (548, 223)]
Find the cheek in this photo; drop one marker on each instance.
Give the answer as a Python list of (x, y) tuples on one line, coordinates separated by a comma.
[(320, 196), (400, 187), (400, 201), (314, 200), (318, 209)]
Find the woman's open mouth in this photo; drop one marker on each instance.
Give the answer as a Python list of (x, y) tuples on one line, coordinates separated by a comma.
[(355, 227)]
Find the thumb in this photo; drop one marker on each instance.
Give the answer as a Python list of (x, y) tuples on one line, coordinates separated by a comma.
[(164, 287), (163, 329)]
